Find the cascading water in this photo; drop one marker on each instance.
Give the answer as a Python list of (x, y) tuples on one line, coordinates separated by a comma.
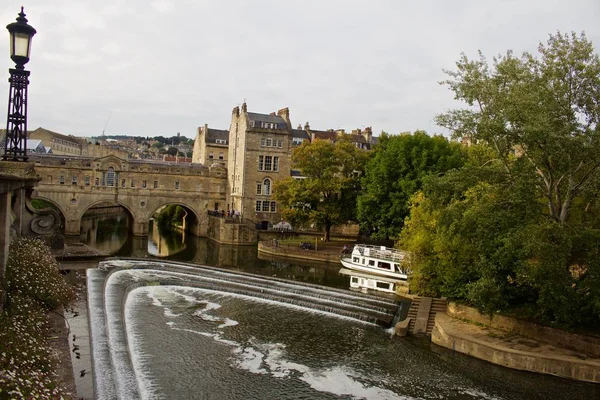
[(175, 331)]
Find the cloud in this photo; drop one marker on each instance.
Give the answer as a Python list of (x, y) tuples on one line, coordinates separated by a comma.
[(337, 64)]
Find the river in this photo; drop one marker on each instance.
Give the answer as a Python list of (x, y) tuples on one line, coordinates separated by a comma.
[(188, 342)]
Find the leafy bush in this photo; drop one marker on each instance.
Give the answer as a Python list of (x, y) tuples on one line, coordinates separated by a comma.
[(34, 286)]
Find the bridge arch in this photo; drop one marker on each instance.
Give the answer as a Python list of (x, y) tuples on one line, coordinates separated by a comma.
[(191, 220)]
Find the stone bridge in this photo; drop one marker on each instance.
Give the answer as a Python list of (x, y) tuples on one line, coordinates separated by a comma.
[(76, 184)]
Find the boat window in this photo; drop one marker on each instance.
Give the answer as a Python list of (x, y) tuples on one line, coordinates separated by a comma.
[(355, 259), (383, 285), (371, 262), (384, 265), (354, 279)]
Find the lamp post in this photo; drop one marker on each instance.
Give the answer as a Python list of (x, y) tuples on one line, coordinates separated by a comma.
[(15, 148)]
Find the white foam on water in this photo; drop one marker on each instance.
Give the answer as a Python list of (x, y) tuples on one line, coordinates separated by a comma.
[(227, 322), (258, 358), (146, 386), (478, 394), (339, 381)]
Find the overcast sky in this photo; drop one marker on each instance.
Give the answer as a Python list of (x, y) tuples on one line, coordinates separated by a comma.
[(162, 67)]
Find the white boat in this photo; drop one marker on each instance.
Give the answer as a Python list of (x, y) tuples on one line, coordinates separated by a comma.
[(378, 260)]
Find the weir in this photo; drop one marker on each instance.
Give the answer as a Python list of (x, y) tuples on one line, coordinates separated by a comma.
[(110, 285)]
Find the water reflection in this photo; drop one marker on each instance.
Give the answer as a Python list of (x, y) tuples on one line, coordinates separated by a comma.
[(165, 242), (107, 233), (111, 235)]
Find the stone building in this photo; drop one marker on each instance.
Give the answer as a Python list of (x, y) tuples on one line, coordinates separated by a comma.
[(257, 151), (59, 143), (210, 146)]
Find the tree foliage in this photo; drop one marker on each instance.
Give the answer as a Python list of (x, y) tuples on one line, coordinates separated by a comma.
[(395, 170), (326, 195), (518, 227), (545, 109)]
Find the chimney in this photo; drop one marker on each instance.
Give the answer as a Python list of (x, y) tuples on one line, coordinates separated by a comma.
[(236, 111), (368, 134), (299, 127), (284, 113), (244, 107), (306, 126)]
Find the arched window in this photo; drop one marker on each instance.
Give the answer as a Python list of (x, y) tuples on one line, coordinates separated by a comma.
[(266, 189), (110, 177)]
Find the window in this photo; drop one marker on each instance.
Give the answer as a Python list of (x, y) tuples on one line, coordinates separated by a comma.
[(265, 206), (372, 262), (266, 187), (383, 285), (354, 279), (110, 177), (275, 163), (268, 163), (74, 180), (144, 184), (258, 188), (61, 179), (261, 162), (155, 184), (258, 205), (297, 141), (132, 183), (273, 208), (263, 141), (222, 141), (279, 143), (221, 156), (176, 185), (269, 142), (122, 182), (86, 180), (384, 265), (355, 259), (210, 155), (97, 181)]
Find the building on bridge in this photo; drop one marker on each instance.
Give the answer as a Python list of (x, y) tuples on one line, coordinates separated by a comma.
[(258, 153)]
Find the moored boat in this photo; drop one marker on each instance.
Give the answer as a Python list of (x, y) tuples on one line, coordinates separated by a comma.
[(378, 260)]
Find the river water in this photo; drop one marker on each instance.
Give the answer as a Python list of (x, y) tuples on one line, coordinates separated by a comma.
[(195, 343)]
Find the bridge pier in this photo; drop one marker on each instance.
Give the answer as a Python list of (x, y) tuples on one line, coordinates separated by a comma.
[(72, 227), (140, 228)]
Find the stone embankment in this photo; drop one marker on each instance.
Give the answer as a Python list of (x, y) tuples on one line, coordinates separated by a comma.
[(518, 344), (320, 252)]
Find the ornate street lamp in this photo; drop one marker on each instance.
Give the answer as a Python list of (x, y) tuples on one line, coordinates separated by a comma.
[(21, 32)]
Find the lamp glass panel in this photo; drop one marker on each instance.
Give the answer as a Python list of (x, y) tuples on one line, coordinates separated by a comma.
[(21, 45)]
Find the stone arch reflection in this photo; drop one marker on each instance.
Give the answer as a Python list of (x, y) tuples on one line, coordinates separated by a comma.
[(106, 226), (168, 227)]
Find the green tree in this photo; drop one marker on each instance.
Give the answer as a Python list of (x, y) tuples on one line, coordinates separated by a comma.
[(326, 196), (518, 227), (172, 151), (544, 109), (394, 172)]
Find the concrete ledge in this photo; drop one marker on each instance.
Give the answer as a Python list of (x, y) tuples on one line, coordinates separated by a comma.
[(580, 343), (489, 345)]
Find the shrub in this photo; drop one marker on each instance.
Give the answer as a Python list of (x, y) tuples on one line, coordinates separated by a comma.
[(34, 286)]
